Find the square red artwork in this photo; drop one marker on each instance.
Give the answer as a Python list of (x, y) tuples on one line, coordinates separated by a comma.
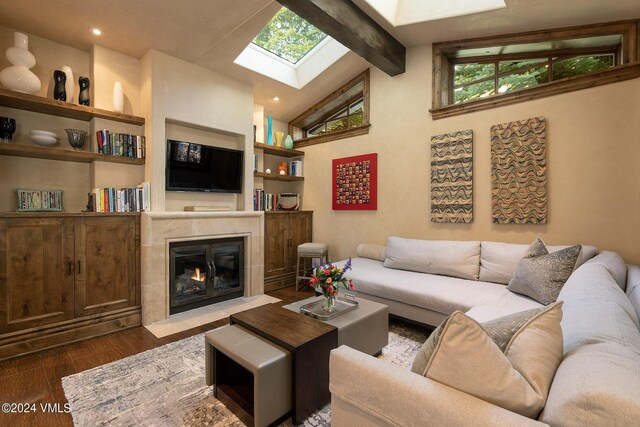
[(355, 183)]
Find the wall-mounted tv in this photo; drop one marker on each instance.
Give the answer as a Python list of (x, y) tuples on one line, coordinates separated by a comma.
[(197, 167)]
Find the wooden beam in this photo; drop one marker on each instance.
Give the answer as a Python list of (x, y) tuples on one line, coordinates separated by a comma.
[(348, 24)]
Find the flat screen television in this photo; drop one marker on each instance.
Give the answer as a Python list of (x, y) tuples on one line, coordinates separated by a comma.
[(197, 167)]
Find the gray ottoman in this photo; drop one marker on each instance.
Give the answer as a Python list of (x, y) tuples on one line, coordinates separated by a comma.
[(366, 328), (255, 373)]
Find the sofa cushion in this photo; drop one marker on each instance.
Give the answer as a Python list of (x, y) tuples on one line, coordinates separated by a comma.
[(540, 275), (465, 357), (498, 261), (371, 251), (598, 382), (436, 293), (445, 257), (633, 286), (615, 266)]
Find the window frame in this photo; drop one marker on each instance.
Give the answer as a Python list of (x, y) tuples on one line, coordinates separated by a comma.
[(625, 67), (298, 127)]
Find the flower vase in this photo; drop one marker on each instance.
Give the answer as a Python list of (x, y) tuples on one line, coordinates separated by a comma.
[(118, 98), (84, 97), (329, 303), (68, 85), (18, 77), (288, 142), (279, 138), (269, 130), (59, 88)]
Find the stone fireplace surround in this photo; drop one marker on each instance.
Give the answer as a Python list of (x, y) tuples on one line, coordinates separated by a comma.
[(161, 228)]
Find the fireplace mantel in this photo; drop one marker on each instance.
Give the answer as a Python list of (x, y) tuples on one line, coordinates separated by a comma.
[(161, 228)]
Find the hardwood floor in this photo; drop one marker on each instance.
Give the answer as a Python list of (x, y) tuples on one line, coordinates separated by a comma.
[(36, 378)]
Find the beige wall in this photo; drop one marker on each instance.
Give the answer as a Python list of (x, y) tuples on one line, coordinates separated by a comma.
[(593, 153), (109, 67), (175, 91)]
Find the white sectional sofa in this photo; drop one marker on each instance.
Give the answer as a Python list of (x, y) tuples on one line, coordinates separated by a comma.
[(596, 384)]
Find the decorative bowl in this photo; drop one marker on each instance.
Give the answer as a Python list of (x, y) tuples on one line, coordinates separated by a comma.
[(45, 140), (288, 201), (43, 132), (76, 137)]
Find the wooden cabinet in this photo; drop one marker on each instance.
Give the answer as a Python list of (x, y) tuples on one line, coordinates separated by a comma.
[(105, 267), (36, 280), (65, 277), (284, 231)]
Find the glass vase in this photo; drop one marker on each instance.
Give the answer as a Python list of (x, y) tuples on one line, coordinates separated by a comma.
[(329, 303)]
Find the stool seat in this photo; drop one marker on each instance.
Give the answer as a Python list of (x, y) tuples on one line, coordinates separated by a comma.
[(313, 248), (310, 251), (236, 358)]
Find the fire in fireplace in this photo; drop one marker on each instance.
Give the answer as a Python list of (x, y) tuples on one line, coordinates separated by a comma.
[(204, 272)]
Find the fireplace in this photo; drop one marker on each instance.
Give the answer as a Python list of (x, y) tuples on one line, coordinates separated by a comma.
[(204, 272)]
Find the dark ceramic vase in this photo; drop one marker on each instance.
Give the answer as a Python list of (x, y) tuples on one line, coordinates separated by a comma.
[(59, 92), (84, 98), (7, 128)]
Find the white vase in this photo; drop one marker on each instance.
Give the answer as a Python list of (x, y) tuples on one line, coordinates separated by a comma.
[(18, 77), (118, 98), (68, 86)]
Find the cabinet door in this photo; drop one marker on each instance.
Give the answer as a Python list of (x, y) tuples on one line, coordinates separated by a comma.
[(300, 225), (36, 280), (106, 263), (276, 250)]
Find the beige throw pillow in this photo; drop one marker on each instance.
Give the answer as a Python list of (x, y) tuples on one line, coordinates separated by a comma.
[(541, 275), (465, 357)]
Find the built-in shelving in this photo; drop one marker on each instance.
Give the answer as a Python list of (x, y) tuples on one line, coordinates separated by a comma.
[(39, 104), (278, 151), (51, 153), (276, 177)]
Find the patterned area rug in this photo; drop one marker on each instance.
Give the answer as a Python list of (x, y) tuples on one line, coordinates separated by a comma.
[(166, 386)]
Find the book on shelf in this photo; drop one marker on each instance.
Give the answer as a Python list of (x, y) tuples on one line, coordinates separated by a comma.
[(121, 144), (134, 199), (264, 201)]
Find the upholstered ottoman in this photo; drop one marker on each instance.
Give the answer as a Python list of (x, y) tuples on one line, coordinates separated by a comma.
[(253, 372)]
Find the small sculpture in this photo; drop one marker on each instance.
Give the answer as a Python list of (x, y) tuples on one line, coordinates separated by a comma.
[(84, 98), (59, 91)]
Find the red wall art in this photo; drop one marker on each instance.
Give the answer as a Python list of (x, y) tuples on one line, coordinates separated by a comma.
[(355, 183)]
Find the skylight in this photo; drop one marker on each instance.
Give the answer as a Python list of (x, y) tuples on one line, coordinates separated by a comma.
[(288, 36)]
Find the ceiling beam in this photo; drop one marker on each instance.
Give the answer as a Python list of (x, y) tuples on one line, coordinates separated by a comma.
[(348, 24)]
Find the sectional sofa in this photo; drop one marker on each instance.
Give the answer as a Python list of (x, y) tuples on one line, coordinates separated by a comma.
[(597, 382)]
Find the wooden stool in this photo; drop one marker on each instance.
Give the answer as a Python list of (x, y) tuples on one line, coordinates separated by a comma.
[(256, 372), (312, 251)]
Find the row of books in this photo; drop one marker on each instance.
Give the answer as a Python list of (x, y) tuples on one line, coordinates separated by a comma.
[(39, 200), (124, 200), (121, 144), (264, 201)]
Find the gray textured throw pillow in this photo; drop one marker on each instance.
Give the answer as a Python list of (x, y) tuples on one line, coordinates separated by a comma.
[(540, 275), (500, 330)]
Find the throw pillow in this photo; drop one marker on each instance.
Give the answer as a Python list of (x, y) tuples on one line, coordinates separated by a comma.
[(540, 275), (464, 356)]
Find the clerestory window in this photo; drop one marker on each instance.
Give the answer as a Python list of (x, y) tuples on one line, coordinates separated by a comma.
[(342, 114), (477, 74)]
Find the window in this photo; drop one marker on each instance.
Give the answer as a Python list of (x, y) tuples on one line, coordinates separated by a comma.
[(484, 73), (288, 36), (342, 114)]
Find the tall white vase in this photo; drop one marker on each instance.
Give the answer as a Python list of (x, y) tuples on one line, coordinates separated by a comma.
[(18, 77), (68, 86), (118, 98)]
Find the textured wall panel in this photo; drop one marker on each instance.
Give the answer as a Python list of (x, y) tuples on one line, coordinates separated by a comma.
[(519, 172), (452, 177)]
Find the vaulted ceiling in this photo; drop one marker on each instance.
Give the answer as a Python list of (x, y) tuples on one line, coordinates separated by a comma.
[(212, 33)]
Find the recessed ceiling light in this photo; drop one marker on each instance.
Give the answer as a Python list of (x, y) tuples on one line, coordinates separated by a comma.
[(96, 31), (276, 98)]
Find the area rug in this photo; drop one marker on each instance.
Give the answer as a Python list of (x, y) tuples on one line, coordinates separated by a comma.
[(166, 386)]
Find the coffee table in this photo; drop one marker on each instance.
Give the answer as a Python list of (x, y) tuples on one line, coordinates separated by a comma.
[(366, 328), (309, 341)]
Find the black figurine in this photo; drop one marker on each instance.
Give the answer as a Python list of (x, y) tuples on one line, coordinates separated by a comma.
[(59, 92), (84, 98)]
